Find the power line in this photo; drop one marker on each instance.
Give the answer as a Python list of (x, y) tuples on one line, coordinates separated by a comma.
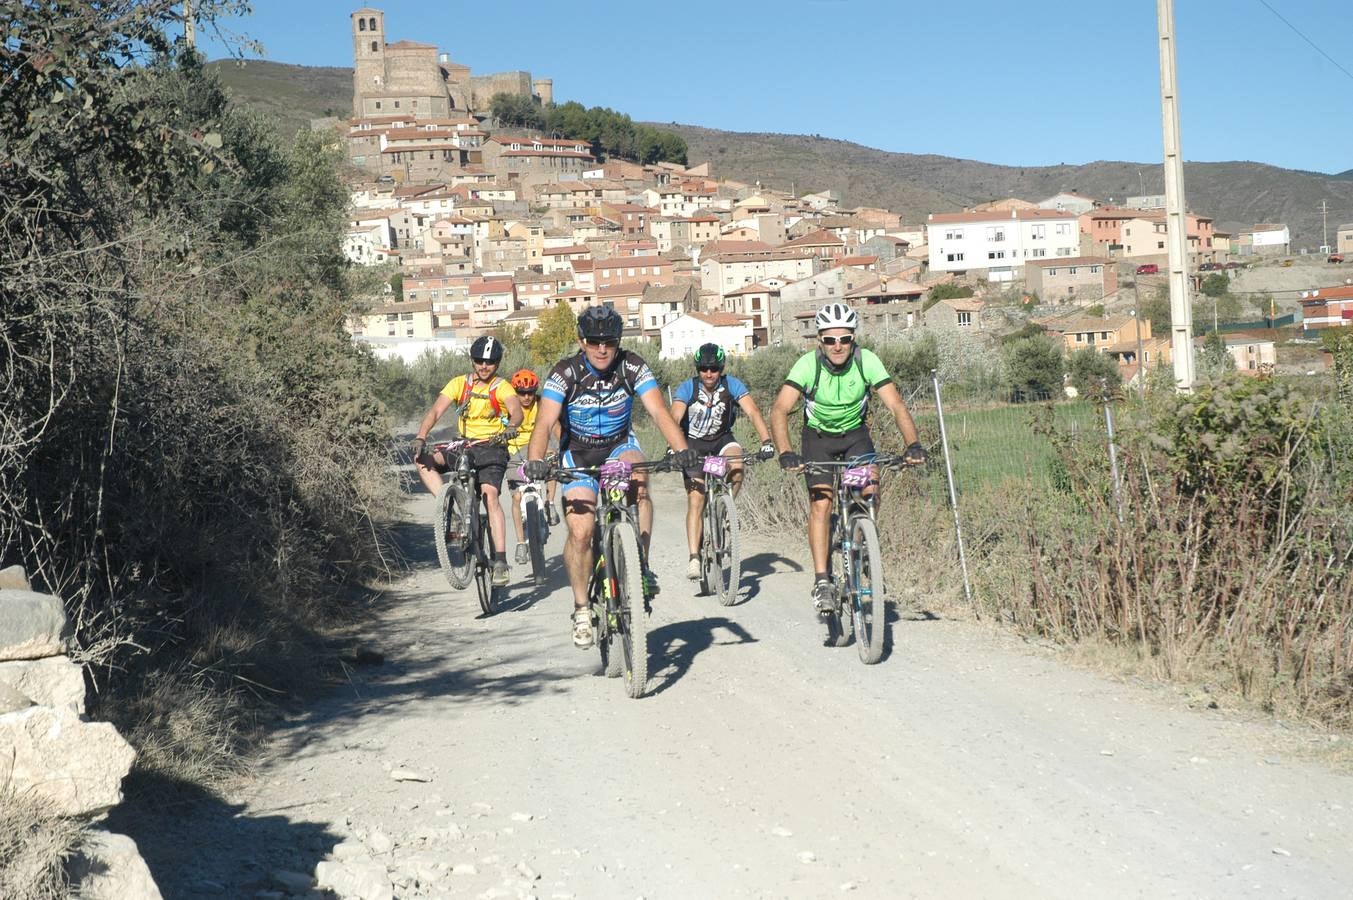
[(1298, 33)]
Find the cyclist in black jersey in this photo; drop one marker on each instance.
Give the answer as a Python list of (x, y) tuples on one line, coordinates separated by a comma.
[(591, 396), (706, 406)]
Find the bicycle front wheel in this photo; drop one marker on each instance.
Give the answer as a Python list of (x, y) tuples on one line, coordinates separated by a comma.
[(868, 607), (449, 534), (483, 563), (725, 576), (535, 538), (627, 606)]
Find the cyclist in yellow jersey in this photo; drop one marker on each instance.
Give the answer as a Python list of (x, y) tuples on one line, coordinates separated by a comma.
[(488, 408), (527, 385)]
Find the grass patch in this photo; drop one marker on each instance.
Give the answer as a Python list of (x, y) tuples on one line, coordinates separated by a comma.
[(34, 844)]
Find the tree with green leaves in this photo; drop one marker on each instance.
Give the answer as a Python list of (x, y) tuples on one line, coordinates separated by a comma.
[(1214, 361), (555, 336), (516, 111), (1034, 368), (1092, 372), (1216, 284)]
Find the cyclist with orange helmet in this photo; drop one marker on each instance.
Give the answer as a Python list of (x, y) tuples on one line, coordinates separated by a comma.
[(527, 385)]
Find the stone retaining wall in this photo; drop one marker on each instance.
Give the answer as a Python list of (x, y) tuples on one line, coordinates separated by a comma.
[(51, 752)]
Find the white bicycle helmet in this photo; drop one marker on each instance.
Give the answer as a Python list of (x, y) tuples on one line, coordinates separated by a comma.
[(836, 315)]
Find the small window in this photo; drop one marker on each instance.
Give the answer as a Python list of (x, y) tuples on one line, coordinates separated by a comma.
[(374, 48), (361, 24)]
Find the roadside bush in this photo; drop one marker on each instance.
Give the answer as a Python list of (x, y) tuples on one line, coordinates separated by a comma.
[(1033, 368), (1093, 374), (191, 452)]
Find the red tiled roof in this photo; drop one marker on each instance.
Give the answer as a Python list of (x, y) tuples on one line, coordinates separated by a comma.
[(500, 286)]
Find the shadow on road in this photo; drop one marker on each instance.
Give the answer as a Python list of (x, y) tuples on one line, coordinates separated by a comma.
[(677, 645), (198, 845), (757, 567)]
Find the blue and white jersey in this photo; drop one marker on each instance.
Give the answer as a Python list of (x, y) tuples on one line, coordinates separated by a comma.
[(709, 413), (597, 406)]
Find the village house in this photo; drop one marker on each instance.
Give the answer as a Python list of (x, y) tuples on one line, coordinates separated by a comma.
[(560, 258), (821, 243), (1268, 239), (758, 303), (632, 218), (655, 270), (724, 272), (405, 319), (1253, 355), (661, 305), (490, 302), (1328, 307), (1082, 278), (1144, 236), (535, 160), (682, 336), (1098, 333), (955, 315), (1343, 241), (997, 244)]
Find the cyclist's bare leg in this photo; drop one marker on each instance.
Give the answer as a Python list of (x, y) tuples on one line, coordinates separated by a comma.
[(695, 509), (735, 467), (516, 516), (497, 527), (819, 525), (639, 484), (580, 511), (431, 478)]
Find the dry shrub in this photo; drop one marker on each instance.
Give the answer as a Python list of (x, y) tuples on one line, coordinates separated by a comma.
[(34, 845), (1224, 553)]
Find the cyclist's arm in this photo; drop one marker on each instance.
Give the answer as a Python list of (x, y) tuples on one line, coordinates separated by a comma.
[(891, 397), (439, 408), (547, 422), (748, 406), (514, 411), (678, 410), (779, 416), (671, 431)]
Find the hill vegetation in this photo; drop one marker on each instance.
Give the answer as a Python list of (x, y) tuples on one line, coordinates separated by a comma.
[(609, 132)]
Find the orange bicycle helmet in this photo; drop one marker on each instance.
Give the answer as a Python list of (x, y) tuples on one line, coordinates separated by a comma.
[(525, 380)]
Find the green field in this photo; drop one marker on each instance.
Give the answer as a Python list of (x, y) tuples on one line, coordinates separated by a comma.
[(991, 444)]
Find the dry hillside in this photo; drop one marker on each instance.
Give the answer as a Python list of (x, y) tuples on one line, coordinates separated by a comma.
[(1236, 194)]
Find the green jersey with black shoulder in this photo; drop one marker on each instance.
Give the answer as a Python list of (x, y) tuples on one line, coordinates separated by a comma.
[(836, 402)]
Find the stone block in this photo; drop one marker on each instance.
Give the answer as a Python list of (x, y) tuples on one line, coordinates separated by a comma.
[(32, 625), (78, 766), (53, 681), (109, 866), (15, 577)]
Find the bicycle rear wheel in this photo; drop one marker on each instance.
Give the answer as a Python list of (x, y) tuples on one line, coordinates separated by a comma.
[(725, 575), (868, 606), (535, 538), (453, 504), (627, 606), (483, 563)]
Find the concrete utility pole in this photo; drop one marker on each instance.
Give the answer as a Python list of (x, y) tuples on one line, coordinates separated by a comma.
[(189, 30), (1324, 227), (1176, 223)]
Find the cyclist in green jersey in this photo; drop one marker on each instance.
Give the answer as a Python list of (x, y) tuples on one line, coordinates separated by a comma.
[(835, 381)]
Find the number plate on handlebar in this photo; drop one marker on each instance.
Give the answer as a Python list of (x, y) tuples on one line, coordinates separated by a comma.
[(857, 477), (615, 475), (716, 465)]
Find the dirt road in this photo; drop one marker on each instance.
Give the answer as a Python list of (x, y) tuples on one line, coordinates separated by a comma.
[(762, 764)]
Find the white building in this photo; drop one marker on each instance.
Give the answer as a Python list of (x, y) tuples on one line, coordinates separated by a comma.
[(1069, 202), (1270, 238), (682, 336), (997, 243)]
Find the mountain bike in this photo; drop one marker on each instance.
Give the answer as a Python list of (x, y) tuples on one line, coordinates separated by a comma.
[(536, 524), (461, 527), (615, 590), (720, 542), (855, 563)]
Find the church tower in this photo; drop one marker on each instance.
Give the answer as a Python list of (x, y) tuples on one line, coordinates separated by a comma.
[(368, 56)]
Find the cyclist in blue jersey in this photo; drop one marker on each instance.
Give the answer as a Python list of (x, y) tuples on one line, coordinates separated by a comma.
[(707, 406), (591, 396)]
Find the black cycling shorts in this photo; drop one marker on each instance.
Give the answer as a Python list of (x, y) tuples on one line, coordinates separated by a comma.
[(694, 478), (821, 446), (489, 462)]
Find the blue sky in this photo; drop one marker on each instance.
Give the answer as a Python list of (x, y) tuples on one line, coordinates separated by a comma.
[(1035, 83)]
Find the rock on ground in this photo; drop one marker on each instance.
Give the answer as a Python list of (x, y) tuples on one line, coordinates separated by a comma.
[(32, 625), (108, 866), (354, 880), (53, 681), (77, 766)]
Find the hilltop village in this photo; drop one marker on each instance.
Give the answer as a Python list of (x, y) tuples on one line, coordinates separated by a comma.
[(486, 226)]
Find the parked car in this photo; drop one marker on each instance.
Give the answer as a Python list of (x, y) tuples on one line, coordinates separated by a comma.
[(1148, 269), (1336, 257), (1231, 264), (1209, 267)]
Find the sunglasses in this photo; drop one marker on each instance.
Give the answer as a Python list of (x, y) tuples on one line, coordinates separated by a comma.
[(844, 340), (708, 368), (604, 342)]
